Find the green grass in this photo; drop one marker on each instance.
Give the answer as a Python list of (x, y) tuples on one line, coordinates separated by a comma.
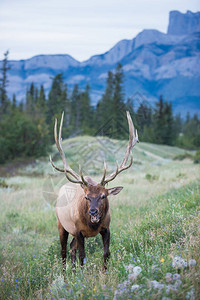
[(155, 218)]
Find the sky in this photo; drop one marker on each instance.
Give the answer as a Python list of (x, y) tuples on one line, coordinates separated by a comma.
[(80, 28)]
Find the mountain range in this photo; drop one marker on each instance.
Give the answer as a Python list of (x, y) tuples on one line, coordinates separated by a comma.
[(154, 64)]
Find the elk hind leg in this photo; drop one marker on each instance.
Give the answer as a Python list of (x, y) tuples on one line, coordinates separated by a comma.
[(73, 247), (63, 241), (106, 243), (81, 247)]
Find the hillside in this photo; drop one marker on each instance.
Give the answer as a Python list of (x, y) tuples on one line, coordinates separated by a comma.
[(154, 63), (153, 227)]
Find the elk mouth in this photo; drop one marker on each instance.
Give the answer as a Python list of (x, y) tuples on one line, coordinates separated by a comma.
[(95, 219)]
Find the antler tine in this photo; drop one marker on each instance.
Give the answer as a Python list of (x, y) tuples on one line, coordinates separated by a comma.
[(133, 140), (71, 179), (82, 178), (58, 169), (67, 169), (104, 174)]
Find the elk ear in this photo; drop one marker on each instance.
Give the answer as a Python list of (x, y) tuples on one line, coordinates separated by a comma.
[(115, 190)]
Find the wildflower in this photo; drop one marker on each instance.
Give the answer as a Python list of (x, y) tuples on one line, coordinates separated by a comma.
[(192, 263), (176, 276), (191, 294), (137, 270), (162, 260), (168, 277), (130, 268), (170, 288), (119, 292), (132, 277), (126, 283), (135, 287), (123, 284), (179, 262), (156, 285), (95, 288), (177, 283)]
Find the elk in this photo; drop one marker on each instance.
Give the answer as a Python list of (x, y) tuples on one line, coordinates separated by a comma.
[(88, 214)]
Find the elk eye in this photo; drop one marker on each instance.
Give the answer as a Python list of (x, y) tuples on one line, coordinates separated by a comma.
[(103, 196), (86, 198)]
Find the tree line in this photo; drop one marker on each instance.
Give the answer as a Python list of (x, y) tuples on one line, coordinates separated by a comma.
[(27, 127)]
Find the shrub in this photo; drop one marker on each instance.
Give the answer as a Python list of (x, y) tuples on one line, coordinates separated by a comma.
[(197, 157)]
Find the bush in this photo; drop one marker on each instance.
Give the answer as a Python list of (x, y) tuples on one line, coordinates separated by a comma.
[(197, 157), (21, 136), (183, 156)]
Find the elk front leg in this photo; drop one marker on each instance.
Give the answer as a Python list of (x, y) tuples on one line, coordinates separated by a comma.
[(63, 241), (106, 243), (73, 247), (81, 247)]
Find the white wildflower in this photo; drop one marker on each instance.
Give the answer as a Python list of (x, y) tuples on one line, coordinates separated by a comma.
[(57, 285), (130, 268), (177, 283), (157, 285), (132, 277), (135, 287), (176, 276), (179, 262), (170, 288), (191, 294), (119, 292), (124, 284), (137, 270), (168, 277), (192, 263)]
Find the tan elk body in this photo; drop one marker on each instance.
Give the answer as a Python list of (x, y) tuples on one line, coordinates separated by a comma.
[(71, 216), (88, 213)]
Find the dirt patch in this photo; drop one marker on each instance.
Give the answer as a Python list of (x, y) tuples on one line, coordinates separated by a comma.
[(12, 168)]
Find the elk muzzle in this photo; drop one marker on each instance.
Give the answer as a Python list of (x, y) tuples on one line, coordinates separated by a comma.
[(94, 214)]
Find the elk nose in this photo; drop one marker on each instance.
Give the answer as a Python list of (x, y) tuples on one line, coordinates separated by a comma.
[(93, 211)]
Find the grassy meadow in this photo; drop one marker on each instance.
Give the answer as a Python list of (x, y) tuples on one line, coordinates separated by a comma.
[(155, 227)]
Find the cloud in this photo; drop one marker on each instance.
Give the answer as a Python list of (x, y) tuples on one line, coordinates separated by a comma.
[(79, 28)]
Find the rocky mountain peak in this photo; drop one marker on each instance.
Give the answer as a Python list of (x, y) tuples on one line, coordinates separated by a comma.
[(183, 24)]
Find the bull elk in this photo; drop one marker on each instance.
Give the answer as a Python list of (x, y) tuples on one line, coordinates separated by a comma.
[(88, 214)]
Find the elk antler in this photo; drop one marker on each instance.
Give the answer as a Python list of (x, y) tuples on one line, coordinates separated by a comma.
[(67, 170), (133, 140)]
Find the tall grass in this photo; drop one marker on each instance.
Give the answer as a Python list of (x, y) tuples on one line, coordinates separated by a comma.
[(154, 219)]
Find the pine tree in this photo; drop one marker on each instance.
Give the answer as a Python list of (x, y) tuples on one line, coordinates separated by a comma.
[(14, 103), (31, 100), (54, 105), (85, 105), (104, 108), (75, 109), (4, 83), (159, 121), (144, 119), (169, 134), (118, 104)]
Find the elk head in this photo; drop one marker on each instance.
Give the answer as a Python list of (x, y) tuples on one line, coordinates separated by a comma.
[(95, 193), (97, 205)]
